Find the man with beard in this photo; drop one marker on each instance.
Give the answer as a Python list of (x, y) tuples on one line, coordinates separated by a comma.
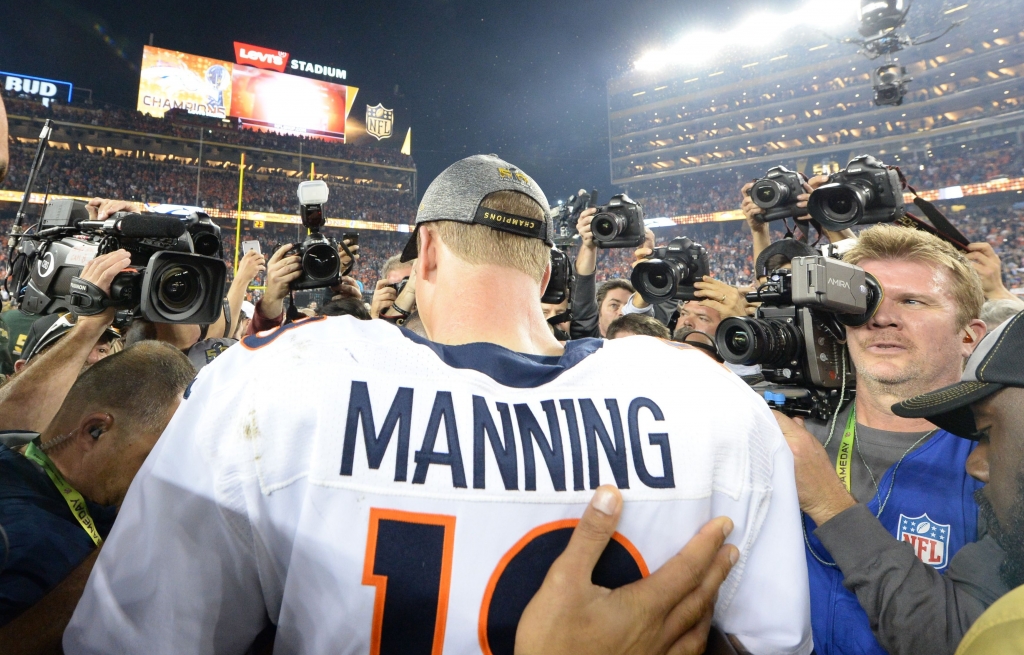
[(987, 406), (872, 482)]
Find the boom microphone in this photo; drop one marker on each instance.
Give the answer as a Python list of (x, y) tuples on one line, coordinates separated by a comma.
[(139, 226)]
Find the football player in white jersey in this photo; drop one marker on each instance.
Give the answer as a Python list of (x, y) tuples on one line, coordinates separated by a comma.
[(365, 489)]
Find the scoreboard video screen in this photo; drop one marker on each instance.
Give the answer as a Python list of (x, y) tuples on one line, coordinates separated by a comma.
[(262, 99)]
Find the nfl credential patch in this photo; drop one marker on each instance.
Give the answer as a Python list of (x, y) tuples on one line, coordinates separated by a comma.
[(929, 539)]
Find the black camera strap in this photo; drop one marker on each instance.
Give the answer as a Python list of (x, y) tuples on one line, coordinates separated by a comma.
[(940, 225), (87, 299)]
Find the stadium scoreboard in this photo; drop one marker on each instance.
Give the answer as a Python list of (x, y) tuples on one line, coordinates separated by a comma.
[(257, 91)]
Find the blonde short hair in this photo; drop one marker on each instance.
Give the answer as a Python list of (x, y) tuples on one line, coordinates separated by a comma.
[(895, 243), (479, 244)]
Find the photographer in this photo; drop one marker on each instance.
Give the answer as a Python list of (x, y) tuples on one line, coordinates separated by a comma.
[(631, 325), (759, 229), (881, 475), (58, 500), (282, 270), (594, 309), (986, 406), (404, 446), (30, 400), (385, 291)]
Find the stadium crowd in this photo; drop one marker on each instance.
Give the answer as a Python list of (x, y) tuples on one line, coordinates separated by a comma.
[(910, 564), (130, 119)]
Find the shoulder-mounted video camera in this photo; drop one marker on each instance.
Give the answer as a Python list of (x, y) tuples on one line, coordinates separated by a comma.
[(565, 217), (177, 273), (799, 335)]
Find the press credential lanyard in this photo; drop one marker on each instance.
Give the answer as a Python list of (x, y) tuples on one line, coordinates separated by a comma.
[(846, 449), (74, 499)]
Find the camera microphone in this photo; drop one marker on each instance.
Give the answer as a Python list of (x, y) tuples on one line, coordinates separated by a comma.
[(138, 226)]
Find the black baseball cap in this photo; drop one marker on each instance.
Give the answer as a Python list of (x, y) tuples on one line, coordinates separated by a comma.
[(456, 194), (997, 363)]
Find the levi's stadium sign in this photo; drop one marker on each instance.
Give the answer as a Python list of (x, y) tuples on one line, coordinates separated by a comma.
[(253, 55), (276, 60)]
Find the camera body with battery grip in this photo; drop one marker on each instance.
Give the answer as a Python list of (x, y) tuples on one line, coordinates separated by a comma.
[(176, 274), (798, 336), (776, 194), (865, 192), (671, 272), (619, 224), (320, 263)]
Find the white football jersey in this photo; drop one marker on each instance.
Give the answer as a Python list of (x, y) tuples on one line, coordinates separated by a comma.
[(368, 491)]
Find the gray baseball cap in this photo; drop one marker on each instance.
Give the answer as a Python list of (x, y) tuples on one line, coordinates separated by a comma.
[(456, 194)]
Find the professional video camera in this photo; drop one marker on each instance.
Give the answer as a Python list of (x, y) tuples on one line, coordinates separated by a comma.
[(319, 259), (866, 192), (890, 84), (619, 224), (566, 216), (798, 337), (173, 277), (776, 194), (671, 271)]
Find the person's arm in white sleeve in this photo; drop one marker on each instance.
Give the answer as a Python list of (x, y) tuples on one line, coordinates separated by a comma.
[(178, 572), (631, 308), (769, 610)]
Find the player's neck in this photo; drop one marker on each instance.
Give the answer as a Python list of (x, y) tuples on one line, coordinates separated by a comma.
[(490, 306)]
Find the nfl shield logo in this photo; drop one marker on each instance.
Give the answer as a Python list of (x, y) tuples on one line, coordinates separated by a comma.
[(930, 540), (379, 121)]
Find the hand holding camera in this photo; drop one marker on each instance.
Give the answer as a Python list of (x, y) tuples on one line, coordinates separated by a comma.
[(777, 195), (320, 263), (726, 299), (282, 269), (100, 274)]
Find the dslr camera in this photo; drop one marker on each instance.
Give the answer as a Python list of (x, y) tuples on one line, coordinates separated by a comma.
[(866, 192), (177, 273), (566, 216), (671, 271), (776, 193), (619, 224), (798, 337), (562, 279), (318, 254)]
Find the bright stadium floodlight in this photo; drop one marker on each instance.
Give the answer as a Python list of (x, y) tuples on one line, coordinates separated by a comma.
[(700, 47)]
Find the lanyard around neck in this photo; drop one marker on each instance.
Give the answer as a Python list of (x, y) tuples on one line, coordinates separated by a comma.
[(75, 500), (846, 448)]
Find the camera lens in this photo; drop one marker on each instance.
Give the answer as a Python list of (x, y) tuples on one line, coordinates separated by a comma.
[(658, 280), (769, 193), (837, 207), (607, 226), (179, 290), (206, 243), (321, 262), (751, 341)]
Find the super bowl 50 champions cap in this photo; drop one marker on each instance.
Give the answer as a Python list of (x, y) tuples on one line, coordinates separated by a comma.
[(996, 363), (456, 194)]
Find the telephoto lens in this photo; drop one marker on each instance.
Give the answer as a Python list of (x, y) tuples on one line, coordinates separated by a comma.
[(183, 288), (757, 341)]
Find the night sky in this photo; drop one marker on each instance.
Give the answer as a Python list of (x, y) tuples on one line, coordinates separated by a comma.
[(523, 79)]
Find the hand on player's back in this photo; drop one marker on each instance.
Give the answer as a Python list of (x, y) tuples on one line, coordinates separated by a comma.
[(667, 612)]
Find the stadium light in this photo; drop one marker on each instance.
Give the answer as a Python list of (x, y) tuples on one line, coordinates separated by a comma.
[(761, 29)]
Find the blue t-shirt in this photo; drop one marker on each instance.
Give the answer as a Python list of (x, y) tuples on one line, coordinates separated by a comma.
[(46, 541)]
